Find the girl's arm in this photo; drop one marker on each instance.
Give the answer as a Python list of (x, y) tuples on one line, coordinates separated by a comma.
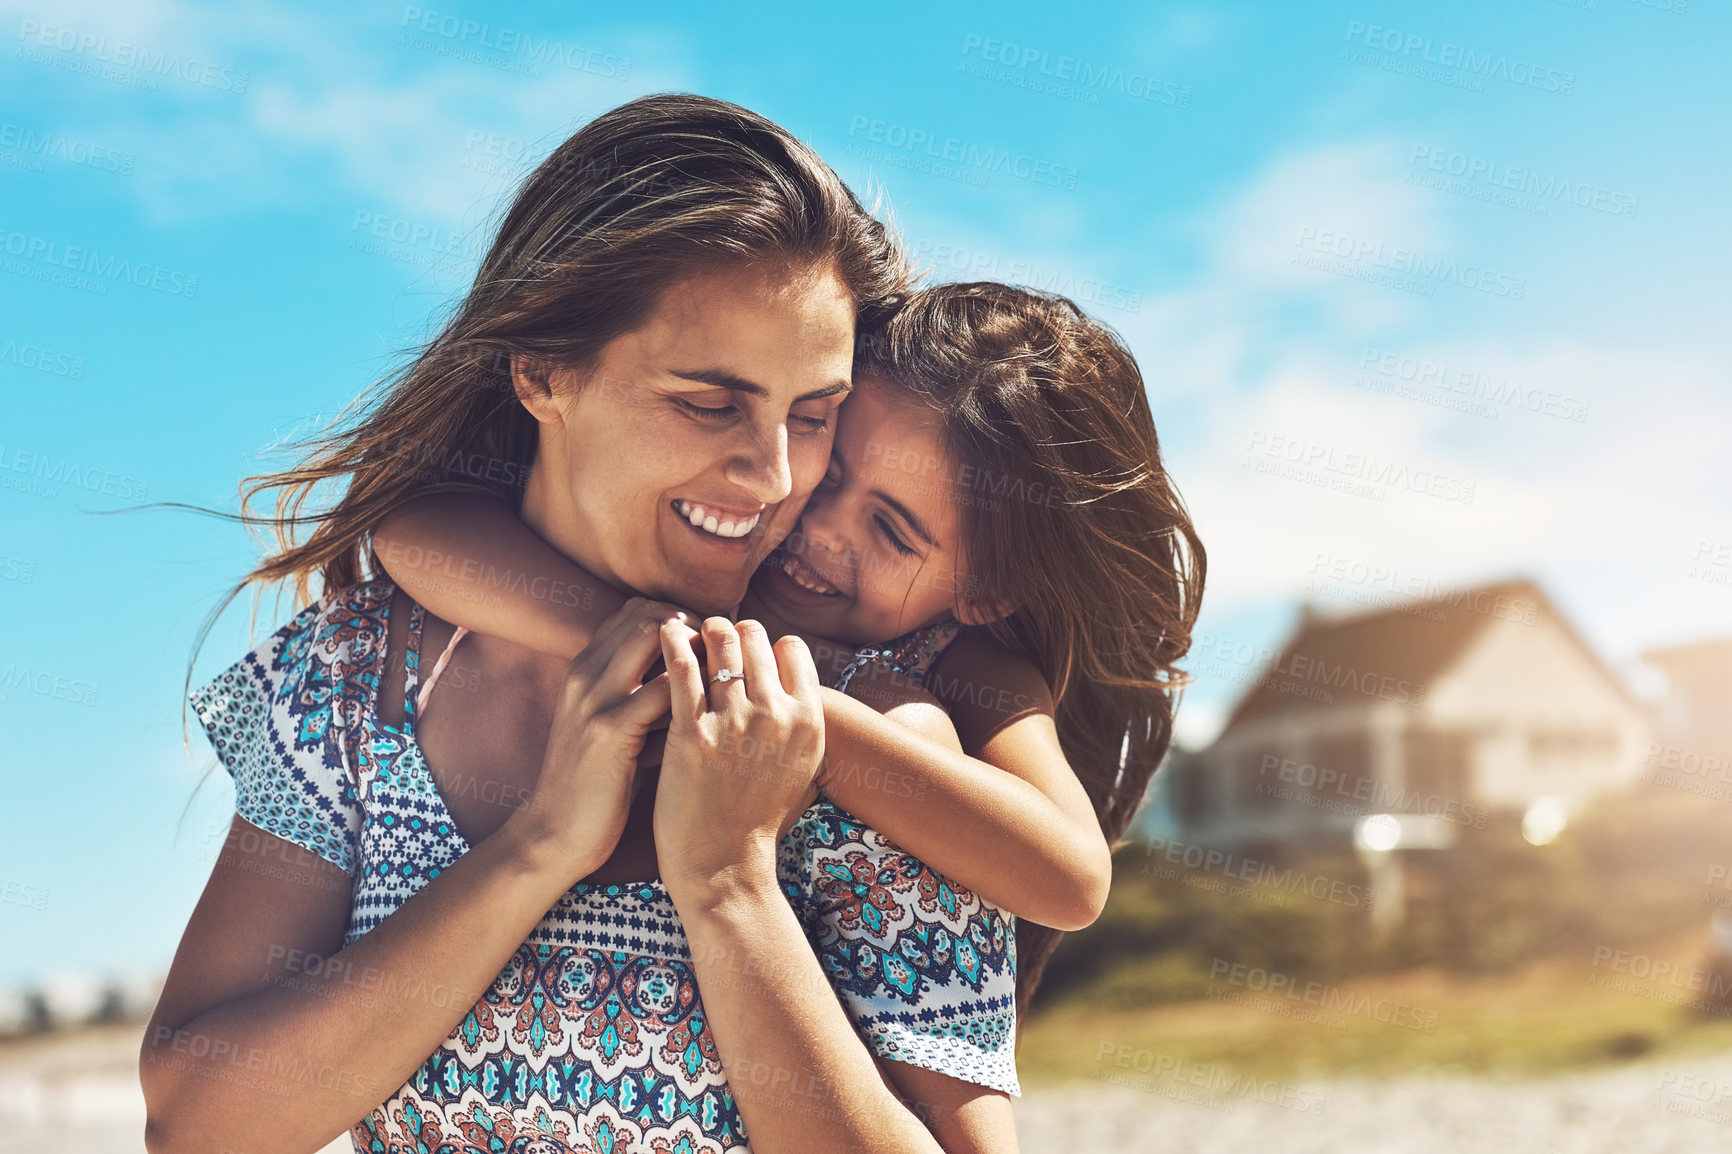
[(471, 561), (1011, 823)]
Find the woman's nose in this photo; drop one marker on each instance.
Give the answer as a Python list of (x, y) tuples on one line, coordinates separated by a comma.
[(760, 464)]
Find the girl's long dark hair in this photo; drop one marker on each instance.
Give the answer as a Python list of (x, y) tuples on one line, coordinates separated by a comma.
[(1039, 400)]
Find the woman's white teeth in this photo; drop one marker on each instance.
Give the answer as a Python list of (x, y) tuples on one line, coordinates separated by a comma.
[(709, 522)]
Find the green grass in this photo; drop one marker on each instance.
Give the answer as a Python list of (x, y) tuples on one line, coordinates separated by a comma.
[(1544, 1018)]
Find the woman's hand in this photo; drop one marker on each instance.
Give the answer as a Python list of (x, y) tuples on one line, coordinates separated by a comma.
[(741, 759), (605, 715)]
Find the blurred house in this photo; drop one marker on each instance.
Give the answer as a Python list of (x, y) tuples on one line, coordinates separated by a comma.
[(1448, 709), (1696, 713)]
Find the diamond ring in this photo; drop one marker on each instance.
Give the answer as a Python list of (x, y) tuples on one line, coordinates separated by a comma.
[(726, 675)]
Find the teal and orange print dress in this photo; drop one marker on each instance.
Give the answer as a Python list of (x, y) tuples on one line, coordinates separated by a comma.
[(593, 1038)]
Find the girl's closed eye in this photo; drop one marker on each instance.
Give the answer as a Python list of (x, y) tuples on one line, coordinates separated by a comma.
[(891, 536)]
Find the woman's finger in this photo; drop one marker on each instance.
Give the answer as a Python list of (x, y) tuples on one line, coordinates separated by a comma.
[(722, 652), (757, 661), (685, 676)]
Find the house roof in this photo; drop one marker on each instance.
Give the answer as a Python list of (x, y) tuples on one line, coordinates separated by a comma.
[(1390, 654), (1696, 656)]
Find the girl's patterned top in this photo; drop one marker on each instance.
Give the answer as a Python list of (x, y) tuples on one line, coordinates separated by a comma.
[(593, 1038)]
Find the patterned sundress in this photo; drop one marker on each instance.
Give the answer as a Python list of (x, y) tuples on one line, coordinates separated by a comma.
[(593, 1037)]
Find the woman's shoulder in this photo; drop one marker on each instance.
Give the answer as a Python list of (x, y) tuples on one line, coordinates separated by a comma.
[(321, 668), (289, 720)]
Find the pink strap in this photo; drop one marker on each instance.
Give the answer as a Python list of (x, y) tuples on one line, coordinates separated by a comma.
[(438, 668)]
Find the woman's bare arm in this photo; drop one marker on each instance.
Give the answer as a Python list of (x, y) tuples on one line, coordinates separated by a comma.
[(740, 758), (271, 1035)]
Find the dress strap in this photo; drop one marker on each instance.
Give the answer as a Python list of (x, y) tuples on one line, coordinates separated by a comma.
[(426, 689)]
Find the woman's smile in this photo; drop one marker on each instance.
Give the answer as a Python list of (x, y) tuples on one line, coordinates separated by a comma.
[(718, 521)]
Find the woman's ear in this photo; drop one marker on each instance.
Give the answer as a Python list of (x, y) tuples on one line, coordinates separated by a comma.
[(532, 381)]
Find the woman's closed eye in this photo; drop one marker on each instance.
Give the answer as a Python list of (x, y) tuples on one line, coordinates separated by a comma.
[(720, 414)]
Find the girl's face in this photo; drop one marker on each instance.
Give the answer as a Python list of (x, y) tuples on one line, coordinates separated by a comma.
[(682, 458), (877, 550)]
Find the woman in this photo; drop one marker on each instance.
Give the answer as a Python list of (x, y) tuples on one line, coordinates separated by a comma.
[(674, 249)]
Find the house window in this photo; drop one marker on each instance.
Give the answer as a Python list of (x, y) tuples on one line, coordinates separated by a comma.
[(1439, 764), (1191, 791), (1342, 769), (1254, 790)]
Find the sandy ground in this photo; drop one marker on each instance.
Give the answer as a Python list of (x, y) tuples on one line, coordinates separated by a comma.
[(78, 1094)]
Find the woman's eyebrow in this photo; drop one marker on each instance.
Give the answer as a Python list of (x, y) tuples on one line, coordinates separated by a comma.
[(722, 379)]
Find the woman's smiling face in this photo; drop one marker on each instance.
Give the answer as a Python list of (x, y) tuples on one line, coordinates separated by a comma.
[(878, 549), (676, 462)]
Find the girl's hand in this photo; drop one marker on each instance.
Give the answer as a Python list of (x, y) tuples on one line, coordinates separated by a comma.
[(741, 759), (606, 712)]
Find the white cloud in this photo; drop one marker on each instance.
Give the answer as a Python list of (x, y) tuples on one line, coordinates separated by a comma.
[(346, 106), (1604, 511)]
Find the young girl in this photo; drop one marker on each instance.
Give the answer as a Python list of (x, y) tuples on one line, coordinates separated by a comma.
[(995, 528)]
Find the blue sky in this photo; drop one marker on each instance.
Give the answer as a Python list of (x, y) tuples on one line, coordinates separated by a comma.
[(1464, 262)]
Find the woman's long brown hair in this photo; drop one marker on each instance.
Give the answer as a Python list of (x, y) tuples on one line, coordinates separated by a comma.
[(655, 189), (1071, 518)]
